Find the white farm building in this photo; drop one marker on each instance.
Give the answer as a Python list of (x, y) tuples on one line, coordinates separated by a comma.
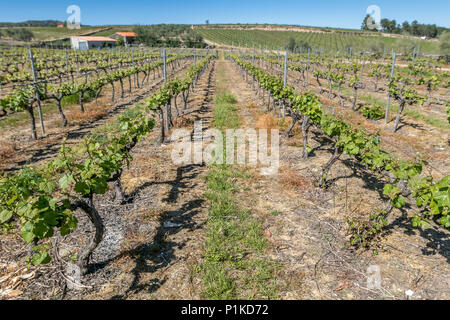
[(85, 43)]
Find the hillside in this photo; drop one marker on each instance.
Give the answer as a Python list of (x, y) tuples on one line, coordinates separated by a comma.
[(274, 37)]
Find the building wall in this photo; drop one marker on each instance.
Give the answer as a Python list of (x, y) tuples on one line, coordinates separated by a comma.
[(78, 44), (99, 44), (128, 39), (75, 43)]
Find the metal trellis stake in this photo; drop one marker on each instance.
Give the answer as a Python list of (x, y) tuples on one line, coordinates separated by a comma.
[(389, 93), (285, 80), (195, 57), (363, 63), (165, 65)]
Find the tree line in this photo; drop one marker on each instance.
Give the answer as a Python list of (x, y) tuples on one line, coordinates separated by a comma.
[(169, 35), (414, 28), (18, 34), (31, 23)]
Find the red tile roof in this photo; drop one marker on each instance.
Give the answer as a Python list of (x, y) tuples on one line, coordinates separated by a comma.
[(94, 38), (127, 34)]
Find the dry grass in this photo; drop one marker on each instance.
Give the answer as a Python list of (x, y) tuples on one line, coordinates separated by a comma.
[(183, 121), (267, 121), (50, 140), (439, 156), (150, 214), (291, 179), (93, 113), (7, 150)]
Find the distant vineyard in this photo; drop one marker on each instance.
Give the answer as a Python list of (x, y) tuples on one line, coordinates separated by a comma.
[(326, 41)]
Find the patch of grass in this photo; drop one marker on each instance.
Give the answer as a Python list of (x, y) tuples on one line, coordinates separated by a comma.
[(409, 112), (7, 149), (75, 98), (266, 121), (294, 180), (373, 112), (234, 265), (110, 32), (225, 112), (49, 108), (50, 33), (22, 118), (92, 114), (275, 213)]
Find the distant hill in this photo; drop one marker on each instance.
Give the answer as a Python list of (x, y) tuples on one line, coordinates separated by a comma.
[(31, 23)]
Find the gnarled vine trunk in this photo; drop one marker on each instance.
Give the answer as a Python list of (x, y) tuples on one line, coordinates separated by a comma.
[(87, 205), (113, 92), (399, 115), (61, 113), (355, 97), (81, 96), (305, 128), (29, 109), (326, 168)]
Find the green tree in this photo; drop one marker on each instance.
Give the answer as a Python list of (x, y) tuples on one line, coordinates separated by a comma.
[(364, 25), (444, 45), (291, 45), (303, 45), (405, 27), (20, 34), (120, 42)]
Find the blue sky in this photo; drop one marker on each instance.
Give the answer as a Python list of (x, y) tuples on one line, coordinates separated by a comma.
[(344, 14)]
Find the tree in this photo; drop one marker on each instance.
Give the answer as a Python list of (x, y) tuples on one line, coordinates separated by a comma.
[(385, 24), (291, 45), (431, 31), (415, 28), (300, 45), (207, 22), (405, 46), (405, 27), (364, 25), (20, 34), (303, 45), (444, 45), (120, 42), (393, 26)]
